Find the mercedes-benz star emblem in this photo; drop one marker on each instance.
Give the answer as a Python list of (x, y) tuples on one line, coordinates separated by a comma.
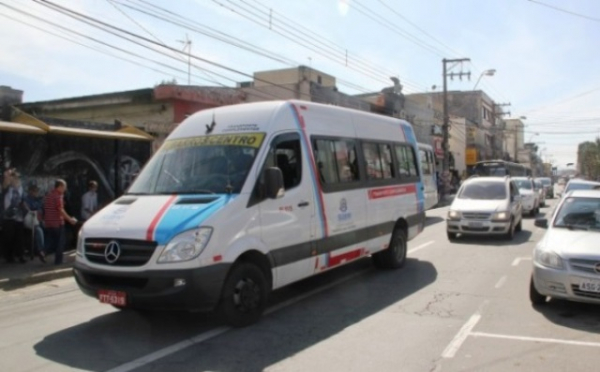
[(112, 252)]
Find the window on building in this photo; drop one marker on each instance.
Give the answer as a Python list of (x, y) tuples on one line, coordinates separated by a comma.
[(336, 160), (407, 165)]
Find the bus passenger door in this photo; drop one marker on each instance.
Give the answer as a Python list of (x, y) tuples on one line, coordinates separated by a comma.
[(287, 223)]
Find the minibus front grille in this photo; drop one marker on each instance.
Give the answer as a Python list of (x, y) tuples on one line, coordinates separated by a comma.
[(118, 252)]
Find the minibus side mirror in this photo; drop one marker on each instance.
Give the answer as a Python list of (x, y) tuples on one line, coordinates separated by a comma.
[(274, 183)]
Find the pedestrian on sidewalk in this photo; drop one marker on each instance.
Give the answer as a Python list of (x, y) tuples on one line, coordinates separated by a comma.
[(12, 222), (33, 220), (89, 201), (54, 220)]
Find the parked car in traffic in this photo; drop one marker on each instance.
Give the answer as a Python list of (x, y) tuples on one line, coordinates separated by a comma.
[(530, 198), (566, 262), (484, 206), (579, 184), (541, 192), (548, 186)]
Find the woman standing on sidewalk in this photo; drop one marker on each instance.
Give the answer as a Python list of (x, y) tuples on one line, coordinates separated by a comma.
[(54, 221), (12, 223), (34, 205)]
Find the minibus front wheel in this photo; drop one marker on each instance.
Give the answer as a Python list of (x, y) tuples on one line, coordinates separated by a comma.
[(244, 296)]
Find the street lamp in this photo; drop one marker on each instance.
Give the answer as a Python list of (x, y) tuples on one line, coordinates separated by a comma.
[(533, 135), (489, 72)]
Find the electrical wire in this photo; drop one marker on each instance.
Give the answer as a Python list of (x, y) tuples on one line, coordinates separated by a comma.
[(566, 11)]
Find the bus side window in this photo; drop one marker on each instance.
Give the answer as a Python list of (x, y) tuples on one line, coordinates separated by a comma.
[(407, 166)]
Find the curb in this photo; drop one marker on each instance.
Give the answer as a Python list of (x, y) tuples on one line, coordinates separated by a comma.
[(16, 283)]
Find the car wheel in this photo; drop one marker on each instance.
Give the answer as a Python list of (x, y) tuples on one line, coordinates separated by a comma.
[(394, 257), (532, 212), (519, 226), (510, 234), (536, 297), (451, 235), (244, 296)]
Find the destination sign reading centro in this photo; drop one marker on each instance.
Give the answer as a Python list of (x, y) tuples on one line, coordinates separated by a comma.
[(242, 139)]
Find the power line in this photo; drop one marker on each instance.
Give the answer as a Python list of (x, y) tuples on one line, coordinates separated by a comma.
[(258, 94), (566, 11)]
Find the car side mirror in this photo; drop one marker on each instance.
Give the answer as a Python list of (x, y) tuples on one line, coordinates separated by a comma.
[(274, 183), (541, 222)]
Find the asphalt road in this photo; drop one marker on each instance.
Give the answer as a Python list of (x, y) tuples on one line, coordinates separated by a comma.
[(459, 306)]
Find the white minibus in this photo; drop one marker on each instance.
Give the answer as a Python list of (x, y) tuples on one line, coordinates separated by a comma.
[(244, 199), (428, 175)]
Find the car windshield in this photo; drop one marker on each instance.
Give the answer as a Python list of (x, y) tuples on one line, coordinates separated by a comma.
[(524, 184), (538, 184), (199, 165), (545, 181), (581, 186), (580, 213), (484, 190)]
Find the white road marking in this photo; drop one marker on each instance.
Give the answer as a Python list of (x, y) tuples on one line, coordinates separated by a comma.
[(202, 337), (500, 282), (461, 336), (519, 259), (424, 245), (536, 339)]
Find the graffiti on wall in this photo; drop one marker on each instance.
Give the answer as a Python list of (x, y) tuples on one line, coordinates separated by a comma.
[(78, 160)]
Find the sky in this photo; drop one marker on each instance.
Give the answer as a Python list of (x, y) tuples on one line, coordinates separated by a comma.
[(545, 52)]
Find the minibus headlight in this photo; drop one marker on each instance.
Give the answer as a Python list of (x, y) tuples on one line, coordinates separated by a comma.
[(186, 246)]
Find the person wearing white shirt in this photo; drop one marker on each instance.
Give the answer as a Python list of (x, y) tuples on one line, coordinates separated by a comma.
[(89, 201)]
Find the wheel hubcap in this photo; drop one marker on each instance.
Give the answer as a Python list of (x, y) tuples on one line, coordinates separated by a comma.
[(246, 295)]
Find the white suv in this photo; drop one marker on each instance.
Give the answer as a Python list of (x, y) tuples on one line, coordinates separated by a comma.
[(485, 206)]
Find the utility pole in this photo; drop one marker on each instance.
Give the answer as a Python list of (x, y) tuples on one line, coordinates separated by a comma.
[(497, 113), (187, 44), (446, 125)]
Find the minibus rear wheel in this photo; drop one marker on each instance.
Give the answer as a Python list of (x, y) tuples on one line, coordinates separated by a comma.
[(394, 256), (244, 296)]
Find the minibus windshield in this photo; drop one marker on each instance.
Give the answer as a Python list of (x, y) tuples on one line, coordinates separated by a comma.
[(214, 164)]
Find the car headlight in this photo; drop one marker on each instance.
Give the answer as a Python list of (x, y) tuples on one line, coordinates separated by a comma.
[(501, 216), (454, 215), (186, 246), (79, 246), (548, 259)]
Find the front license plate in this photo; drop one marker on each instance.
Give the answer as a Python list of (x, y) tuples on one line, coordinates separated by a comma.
[(112, 297), (589, 285), (475, 224)]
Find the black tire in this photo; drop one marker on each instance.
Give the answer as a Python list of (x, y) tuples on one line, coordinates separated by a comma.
[(532, 213), (451, 236), (536, 297), (511, 231), (394, 257), (244, 296), (519, 226)]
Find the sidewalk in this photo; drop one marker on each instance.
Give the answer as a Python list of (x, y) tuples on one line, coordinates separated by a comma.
[(16, 275)]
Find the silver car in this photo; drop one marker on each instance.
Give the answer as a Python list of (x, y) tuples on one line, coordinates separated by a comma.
[(485, 206), (566, 262)]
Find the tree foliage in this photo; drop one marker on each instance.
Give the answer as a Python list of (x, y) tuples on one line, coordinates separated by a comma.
[(588, 159)]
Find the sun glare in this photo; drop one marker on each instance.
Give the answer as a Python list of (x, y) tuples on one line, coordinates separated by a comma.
[(343, 6)]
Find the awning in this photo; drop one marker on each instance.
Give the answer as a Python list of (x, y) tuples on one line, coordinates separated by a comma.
[(25, 123), (6, 126), (96, 134)]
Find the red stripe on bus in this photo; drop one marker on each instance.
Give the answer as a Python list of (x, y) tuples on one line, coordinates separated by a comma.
[(156, 219), (386, 192)]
